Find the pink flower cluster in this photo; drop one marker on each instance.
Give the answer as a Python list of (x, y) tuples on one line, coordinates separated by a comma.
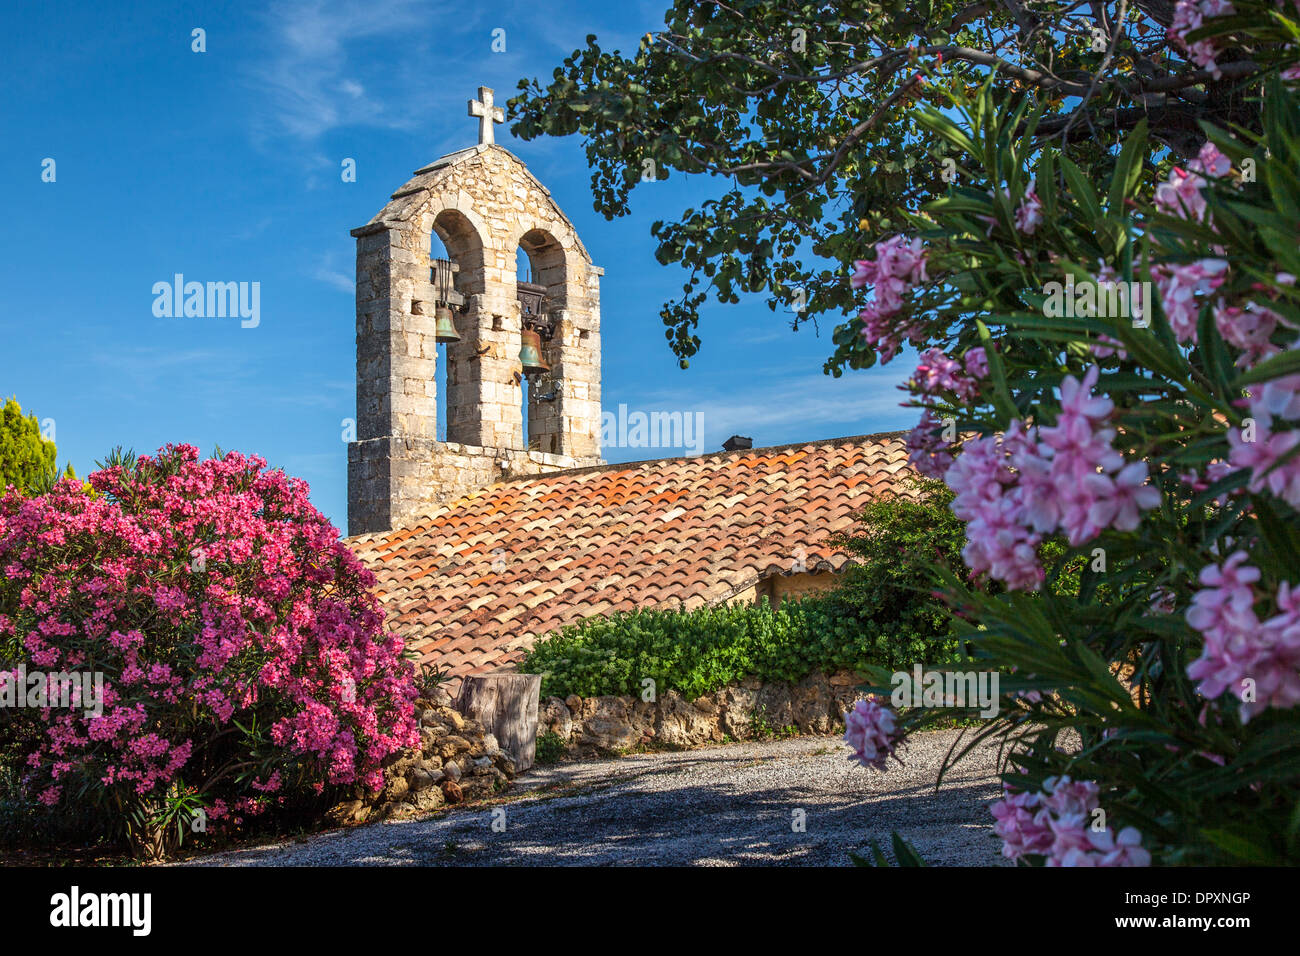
[(1057, 823), (1182, 194), (1249, 329), (1185, 288), (898, 267), (1013, 489), (1182, 290), (938, 372), (871, 730), (207, 592), (1190, 15), (990, 498), (1239, 649), (1211, 162), (927, 450), (1029, 213), (1262, 451)]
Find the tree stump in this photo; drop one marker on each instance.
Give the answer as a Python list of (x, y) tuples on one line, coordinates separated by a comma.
[(506, 705)]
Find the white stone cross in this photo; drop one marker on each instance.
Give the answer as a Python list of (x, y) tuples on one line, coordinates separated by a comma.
[(487, 114)]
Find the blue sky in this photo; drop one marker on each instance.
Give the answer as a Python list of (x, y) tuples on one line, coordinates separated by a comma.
[(225, 166)]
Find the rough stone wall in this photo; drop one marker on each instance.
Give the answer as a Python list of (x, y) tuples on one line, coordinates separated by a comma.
[(777, 587), (484, 205), (594, 725), (782, 586), (458, 761)]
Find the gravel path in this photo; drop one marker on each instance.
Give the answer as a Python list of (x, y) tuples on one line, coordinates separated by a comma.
[(727, 805)]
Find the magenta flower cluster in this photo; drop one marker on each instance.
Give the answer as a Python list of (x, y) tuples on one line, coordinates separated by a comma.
[(1258, 662), (209, 593), (871, 730), (1057, 823), (1014, 488)]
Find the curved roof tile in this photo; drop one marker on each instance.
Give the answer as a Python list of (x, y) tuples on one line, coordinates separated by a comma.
[(643, 534)]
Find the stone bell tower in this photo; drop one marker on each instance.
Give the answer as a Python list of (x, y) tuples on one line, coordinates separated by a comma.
[(484, 206)]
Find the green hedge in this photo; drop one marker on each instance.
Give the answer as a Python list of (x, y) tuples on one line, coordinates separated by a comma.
[(881, 614)]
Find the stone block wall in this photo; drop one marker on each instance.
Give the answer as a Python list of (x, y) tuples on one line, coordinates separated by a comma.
[(458, 761), (596, 725), (484, 205), (392, 481)]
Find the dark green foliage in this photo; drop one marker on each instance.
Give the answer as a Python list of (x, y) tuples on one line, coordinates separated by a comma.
[(690, 651), (884, 612), (550, 748), (882, 615), (800, 123)]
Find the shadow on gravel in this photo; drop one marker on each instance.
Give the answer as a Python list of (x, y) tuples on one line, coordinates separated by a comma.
[(615, 824)]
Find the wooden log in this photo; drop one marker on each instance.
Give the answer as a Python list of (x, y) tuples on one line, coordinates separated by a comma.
[(505, 704)]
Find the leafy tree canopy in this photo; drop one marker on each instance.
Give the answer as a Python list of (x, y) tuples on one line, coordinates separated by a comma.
[(806, 112), (27, 458)]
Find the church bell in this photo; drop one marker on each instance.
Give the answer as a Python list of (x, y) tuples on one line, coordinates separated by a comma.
[(530, 353), (445, 326)]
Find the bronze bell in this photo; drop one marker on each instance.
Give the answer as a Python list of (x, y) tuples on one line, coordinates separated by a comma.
[(530, 353), (444, 326)]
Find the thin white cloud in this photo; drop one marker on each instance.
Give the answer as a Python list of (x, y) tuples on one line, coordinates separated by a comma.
[(147, 358), (331, 64), (775, 410), (338, 280), (252, 231), (314, 79)]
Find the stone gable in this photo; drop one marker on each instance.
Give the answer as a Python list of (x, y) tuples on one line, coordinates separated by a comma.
[(484, 205)]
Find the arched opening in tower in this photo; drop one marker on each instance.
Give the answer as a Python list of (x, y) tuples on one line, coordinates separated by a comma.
[(456, 275), (540, 285), (524, 288), (443, 279)]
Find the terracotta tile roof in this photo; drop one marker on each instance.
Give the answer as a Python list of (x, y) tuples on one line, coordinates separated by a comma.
[(474, 584)]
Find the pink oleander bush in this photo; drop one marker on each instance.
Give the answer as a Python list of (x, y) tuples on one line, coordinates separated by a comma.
[(1156, 448), (243, 655)]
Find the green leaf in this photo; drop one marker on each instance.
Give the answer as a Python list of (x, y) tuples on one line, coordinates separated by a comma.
[(1001, 394), (1128, 169), (1241, 847), (1081, 190), (1277, 366)]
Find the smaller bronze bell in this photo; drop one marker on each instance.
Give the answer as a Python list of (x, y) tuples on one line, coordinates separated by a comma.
[(445, 326), (530, 353)]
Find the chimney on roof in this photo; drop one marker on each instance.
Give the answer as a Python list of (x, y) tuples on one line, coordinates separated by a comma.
[(737, 443)]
